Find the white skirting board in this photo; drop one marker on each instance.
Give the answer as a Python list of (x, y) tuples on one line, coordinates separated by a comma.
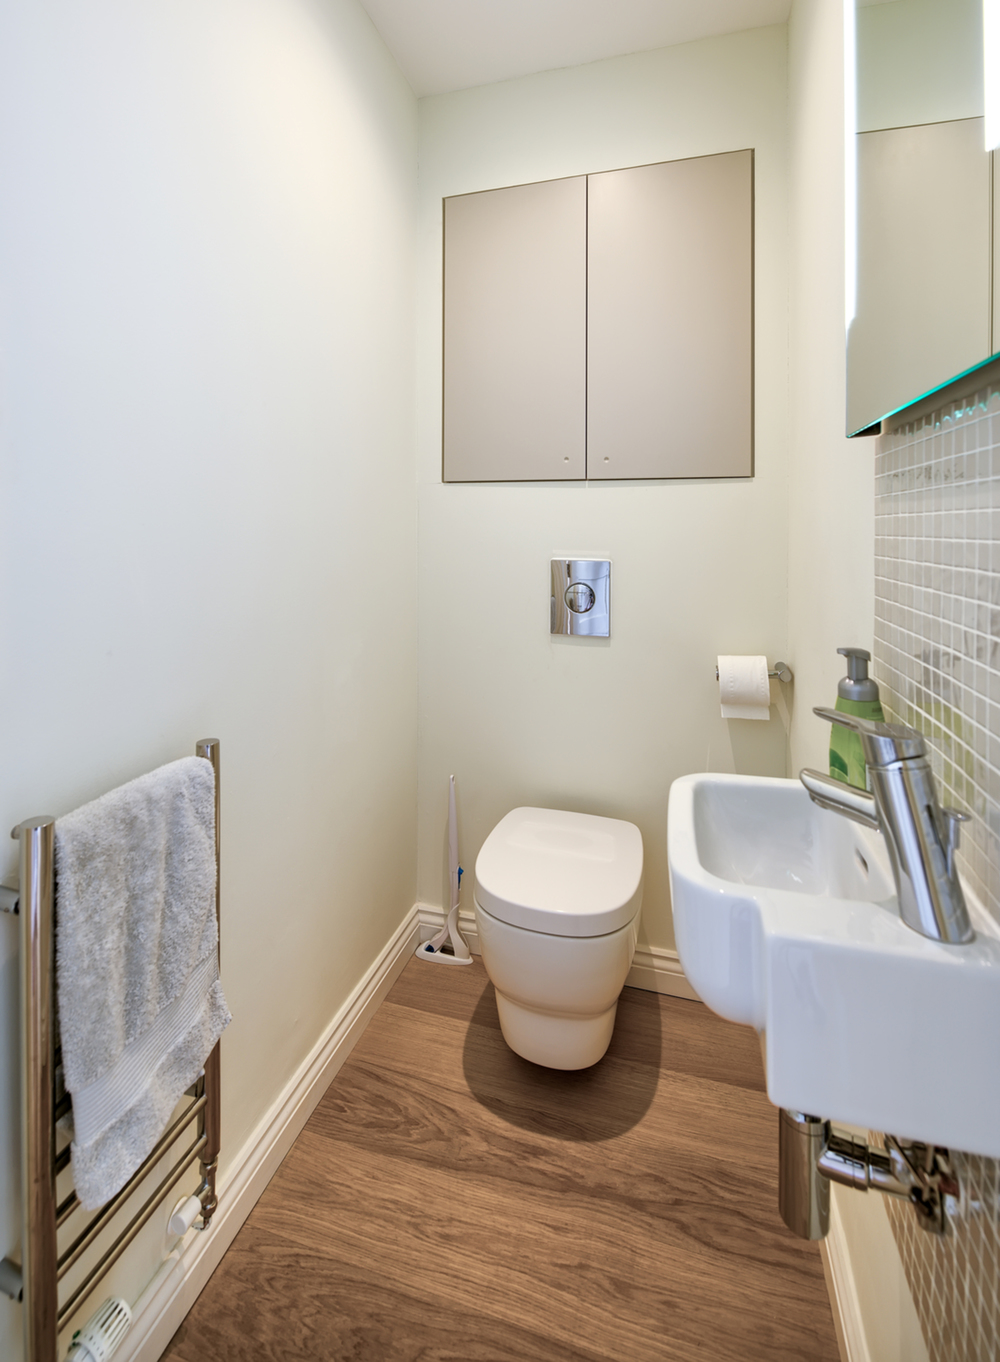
[(653, 968), (843, 1293), (160, 1310), (659, 971)]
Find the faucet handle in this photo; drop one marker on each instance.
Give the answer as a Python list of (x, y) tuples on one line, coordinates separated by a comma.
[(883, 743), (953, 819)]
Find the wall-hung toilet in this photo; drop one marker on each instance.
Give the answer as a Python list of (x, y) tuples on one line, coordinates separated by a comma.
[(557, 908)]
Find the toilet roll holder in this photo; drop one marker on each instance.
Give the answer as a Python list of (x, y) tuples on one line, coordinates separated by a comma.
[(781, 670)]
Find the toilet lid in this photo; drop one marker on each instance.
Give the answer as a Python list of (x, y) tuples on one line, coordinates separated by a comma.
[(569, 874)]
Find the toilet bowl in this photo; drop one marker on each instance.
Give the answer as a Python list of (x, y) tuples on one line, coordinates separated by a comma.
[(557, 901)]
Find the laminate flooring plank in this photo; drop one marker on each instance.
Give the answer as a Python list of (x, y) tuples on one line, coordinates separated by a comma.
[(373, 1320), (665, 1033), (734, 1222), (437, 1124), (455, 991), (646, 1172), (673, 1033), (595, 1104), (598, 1263), (449, 1201)]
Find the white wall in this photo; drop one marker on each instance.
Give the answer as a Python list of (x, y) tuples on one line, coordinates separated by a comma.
[(207, 461), (886, 1327), (919, 61), (831, 510), (831, 534), (699, 567)]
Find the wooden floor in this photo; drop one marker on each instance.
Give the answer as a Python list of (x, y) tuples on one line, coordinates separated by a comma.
[(449, 1200)]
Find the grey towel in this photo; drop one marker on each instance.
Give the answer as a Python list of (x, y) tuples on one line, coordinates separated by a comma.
[(139, 998)]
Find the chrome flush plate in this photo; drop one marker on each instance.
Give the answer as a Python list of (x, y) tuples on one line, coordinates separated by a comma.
[(581, 597)]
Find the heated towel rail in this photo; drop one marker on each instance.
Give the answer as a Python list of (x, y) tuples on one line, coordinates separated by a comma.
[(35, 1281)]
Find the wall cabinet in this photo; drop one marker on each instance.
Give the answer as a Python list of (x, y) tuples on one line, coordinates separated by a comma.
[(601, 326)]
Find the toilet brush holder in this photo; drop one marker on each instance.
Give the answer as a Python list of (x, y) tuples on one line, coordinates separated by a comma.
[(433, 951)]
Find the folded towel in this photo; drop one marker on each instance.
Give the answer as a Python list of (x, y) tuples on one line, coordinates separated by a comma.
[(137, 973)]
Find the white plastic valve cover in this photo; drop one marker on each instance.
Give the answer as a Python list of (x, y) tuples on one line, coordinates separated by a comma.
[(568, 874)]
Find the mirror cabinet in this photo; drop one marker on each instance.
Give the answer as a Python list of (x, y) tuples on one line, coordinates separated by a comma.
[(925, 307)]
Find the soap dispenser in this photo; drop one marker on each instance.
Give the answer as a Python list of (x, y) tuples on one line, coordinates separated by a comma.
[(857, 694)]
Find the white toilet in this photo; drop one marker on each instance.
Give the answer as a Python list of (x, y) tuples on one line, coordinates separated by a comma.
[(557, 908)]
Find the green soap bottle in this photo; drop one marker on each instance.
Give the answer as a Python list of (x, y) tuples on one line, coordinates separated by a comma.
[(857, 694)]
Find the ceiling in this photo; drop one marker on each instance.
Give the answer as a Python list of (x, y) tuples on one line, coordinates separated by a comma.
[(443, 45)]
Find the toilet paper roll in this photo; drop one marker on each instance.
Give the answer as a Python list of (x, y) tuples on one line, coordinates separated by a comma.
[(744, 689)]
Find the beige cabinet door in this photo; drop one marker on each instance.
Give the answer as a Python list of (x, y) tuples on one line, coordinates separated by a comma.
[(670, 320), (515, 333)]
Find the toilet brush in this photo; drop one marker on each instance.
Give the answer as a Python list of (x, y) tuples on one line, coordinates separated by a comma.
[(432, 951)]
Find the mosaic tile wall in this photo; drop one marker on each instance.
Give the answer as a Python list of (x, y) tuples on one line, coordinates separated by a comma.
[(937, 661), (953, 1279), (937, 608)]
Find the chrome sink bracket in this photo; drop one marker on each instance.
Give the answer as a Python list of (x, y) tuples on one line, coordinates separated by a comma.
[(933, 1180), (921, 837), (813, 1153)]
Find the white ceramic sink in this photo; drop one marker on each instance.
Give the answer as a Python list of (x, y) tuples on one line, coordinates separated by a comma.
[(786, 920)]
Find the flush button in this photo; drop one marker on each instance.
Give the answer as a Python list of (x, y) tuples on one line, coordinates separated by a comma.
[(580, 597)]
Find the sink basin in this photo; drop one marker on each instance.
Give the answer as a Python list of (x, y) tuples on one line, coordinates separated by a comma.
[(786, 920)]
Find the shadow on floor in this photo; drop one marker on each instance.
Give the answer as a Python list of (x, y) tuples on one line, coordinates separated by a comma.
[(581, 1105)]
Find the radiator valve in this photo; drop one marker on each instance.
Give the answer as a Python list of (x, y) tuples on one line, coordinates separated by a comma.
[(100, 1336)]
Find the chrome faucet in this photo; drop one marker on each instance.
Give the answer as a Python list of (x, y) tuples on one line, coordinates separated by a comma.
[(921, 836)]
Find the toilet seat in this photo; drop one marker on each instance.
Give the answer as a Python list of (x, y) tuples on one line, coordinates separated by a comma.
[(564, 874)]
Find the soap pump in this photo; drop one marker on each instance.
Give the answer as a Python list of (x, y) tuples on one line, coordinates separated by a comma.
[(857, 694)]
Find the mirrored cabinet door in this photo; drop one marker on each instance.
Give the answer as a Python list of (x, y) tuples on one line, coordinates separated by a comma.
[(923, 309), (924, 298), (515, 333)]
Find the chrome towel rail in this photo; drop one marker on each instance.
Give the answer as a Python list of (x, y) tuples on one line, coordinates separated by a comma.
[(35, 1281)]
